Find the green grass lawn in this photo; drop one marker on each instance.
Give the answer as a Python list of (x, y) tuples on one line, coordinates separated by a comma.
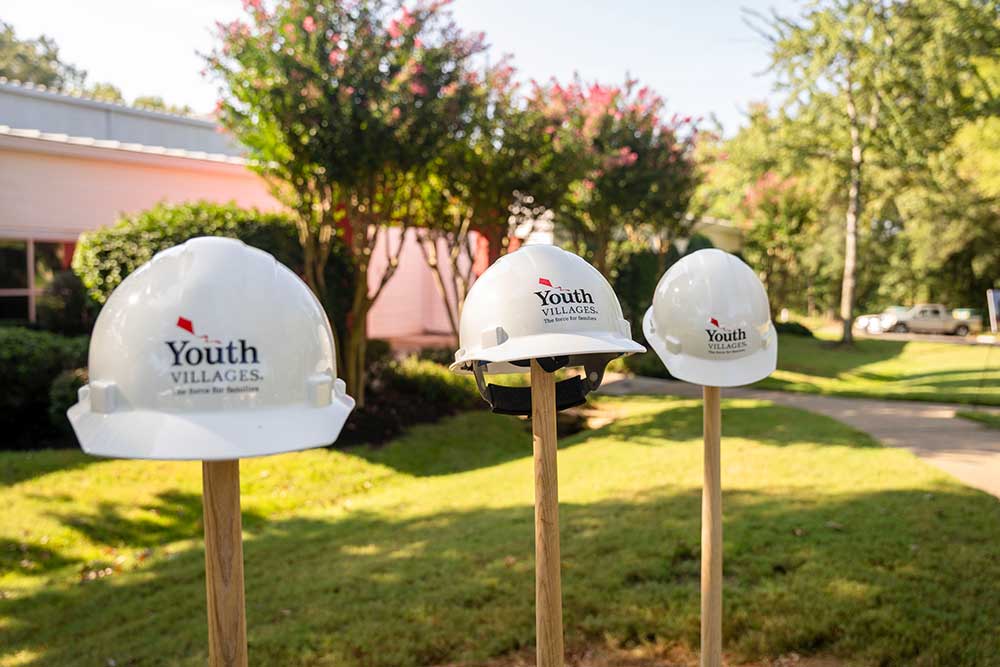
[(986, 418), (420, 553), (889, 369)]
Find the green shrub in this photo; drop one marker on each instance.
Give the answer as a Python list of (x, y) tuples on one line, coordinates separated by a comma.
[(378, 352), (106, 256), (793, 329), (66, 307), (431, 383), (404, 393), (62, 395), (637, 275), (444, 356), (29, 362)]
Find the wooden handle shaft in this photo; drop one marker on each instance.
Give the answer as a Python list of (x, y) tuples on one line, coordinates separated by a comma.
[(548, 585), (227, 623), (711, 535)]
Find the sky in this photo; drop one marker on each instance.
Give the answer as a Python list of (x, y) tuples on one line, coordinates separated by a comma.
[(700, 56)]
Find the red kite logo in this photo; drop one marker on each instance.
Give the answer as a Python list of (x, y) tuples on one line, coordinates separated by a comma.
[(548, 283), (714, 322), (188, 325)]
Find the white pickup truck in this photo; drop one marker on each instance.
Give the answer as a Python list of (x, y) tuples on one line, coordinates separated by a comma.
[(932, 318)]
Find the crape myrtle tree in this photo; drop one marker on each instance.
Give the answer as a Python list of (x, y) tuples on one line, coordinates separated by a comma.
[(501, 165), (636, 169), (344, 108), (878, 85)]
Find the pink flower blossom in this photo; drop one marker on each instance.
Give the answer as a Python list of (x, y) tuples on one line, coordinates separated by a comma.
[(589, 184), (349, 90), (418, 43), (253, 5), (308, 24), (408, 20), (418, 88), (394, 30), (450, 89), (396, 113), (335, 57)]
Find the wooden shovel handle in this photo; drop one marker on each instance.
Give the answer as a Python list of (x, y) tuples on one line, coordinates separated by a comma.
[(548, 585), (227, 623), (711, 534)]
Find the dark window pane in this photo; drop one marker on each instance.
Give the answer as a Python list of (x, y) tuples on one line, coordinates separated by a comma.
[(50, 259), (13, 264), (14, 308)]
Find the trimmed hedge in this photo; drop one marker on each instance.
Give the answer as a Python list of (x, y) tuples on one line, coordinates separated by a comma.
[(29, 362), (106, 256), (66, 307), (429, 382), (404, 393), (62, 395)]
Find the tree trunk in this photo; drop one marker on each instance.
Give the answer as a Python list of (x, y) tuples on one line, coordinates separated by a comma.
[(601, 255), (354, 371), (851, 225), (495, 236)]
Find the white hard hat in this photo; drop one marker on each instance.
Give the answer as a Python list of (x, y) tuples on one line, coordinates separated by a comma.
[(710, 322), (211, 350), (541, 302)]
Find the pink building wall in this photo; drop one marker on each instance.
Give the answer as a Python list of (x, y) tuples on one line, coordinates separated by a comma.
[(55, 190), (410, 305), (68, 190)]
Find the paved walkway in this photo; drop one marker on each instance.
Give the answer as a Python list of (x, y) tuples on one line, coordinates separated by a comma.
[(960, 447)]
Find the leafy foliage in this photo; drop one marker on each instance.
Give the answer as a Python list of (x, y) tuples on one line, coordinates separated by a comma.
[(873, 91), (63, 395), (29, 362), (104, 257), (345, 108), (36, 61), (633, 171), (66, 307)]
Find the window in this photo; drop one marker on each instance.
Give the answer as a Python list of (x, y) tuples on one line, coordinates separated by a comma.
[(27, 267)]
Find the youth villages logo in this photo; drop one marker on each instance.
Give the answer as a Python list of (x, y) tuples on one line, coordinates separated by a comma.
[(560, 304), (194, 357), (723, 340)]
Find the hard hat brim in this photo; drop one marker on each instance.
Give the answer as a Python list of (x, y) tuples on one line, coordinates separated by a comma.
[(148, 434), (545, 345), (710, 373)]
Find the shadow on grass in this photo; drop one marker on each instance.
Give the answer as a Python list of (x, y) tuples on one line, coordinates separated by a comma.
[(18, 465), (800, 354), (773, 425), (428, 451), (173, 517), (26, 557), (895, 577)]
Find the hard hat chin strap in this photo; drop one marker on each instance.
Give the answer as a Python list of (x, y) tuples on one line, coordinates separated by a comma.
[(570, 392)]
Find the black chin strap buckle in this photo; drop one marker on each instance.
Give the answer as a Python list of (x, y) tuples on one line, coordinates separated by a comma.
[(570, 392)]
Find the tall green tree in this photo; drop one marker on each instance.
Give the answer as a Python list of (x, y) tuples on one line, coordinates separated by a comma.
[(879, 85), (36, 61), (344, 108)]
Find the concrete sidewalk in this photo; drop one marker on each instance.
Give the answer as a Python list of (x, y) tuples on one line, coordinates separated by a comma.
[(963, 448)]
